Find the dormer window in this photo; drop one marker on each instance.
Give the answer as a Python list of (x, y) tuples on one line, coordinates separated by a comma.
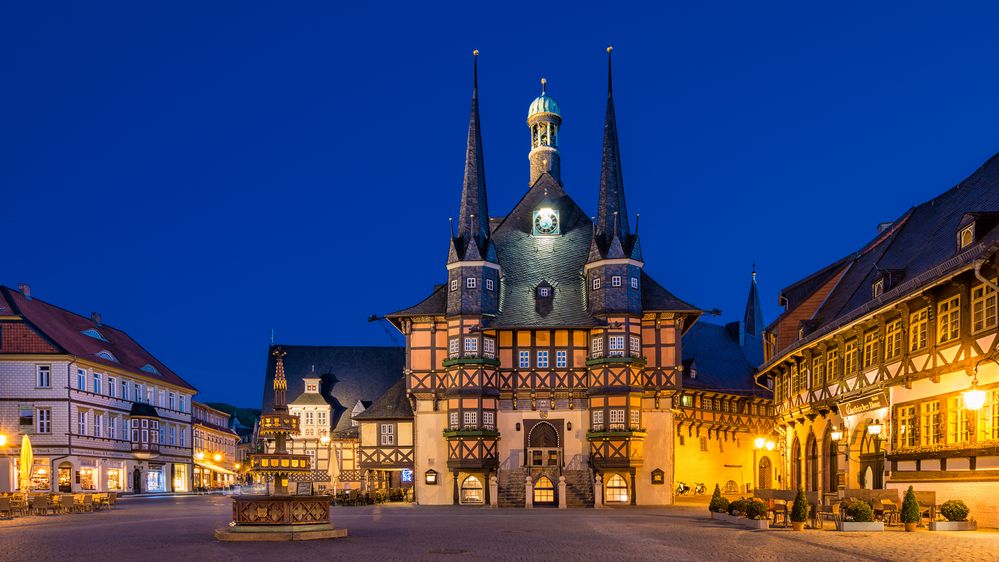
[(966, 236), (94, 334), (107, 355), (470, 282), (149, 369), (544, 292), (878, 288)]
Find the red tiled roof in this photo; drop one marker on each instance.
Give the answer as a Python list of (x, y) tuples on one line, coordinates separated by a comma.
[(65, 328)]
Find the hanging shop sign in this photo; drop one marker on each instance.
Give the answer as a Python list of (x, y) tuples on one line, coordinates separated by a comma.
[(865, 404)]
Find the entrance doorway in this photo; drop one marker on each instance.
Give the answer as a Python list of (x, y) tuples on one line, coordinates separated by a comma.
[(65, 477), (543, 446), (765, 473), (136, 481)]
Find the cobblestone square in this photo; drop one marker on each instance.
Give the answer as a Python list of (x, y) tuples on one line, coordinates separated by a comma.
[(180, 528)]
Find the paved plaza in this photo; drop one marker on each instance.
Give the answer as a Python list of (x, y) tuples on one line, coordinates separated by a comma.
[(180, 528)]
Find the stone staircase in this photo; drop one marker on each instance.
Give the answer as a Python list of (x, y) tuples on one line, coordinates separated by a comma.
[(511, 487), (578, 487)]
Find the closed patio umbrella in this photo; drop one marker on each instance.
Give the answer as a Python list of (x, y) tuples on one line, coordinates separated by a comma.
[(27, 459)]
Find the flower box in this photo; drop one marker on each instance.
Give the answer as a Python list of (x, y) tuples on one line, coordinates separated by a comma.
[(865, 526), (756, 523), (953, 526), (742, 521)]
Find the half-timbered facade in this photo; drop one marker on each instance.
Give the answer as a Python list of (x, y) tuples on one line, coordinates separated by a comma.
[(385, 454), (544, 370), (883, 363)]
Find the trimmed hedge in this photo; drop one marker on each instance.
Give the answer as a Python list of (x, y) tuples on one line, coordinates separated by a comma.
[(955, 510), (857, 510), (756, 510)]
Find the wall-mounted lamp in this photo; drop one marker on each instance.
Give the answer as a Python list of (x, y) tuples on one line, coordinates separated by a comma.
[(875, 428), (974, 398), (430, 478)]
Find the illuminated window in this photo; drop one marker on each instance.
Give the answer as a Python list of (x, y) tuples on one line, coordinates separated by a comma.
[(561, 358), (870, 348), (615, 345), (983, 307), (453, 419), (949, 319), (471, 344), (929, 423), (818, 373), (544, 491), (471, 490), (878, 288), (850, 356), (616, 417), (967, 236), (617, 490), (988, 417), (958, 421), (636, 418), (832, 364), (918, 322), (893, 339)]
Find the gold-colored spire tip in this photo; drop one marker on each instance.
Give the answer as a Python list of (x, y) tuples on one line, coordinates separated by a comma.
[(543, 81), (609, 49), (475, 53)]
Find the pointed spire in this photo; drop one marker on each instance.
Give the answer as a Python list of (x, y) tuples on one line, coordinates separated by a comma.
[(473, 217), (753, 319), (280, 382), (612, 213)]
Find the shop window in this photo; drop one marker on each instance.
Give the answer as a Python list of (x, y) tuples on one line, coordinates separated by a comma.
[(616, 490)]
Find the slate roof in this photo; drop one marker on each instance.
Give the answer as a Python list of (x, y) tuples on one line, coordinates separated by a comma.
[(64, 330), (143, 409), (528, 260), (393, 405), (308, 399), (721, 364), (919, 247), (347, 374)]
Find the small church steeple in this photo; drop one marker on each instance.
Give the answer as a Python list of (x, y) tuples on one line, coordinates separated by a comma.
[(753, 319), (472, 240), (544, 120)]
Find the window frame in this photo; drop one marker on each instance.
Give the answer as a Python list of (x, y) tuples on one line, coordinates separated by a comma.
[(615, 280), (949, 319), (43, 368), (982, 310), (471, 283)]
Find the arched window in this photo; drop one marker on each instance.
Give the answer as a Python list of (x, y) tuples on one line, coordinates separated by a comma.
[(832, 464), (812, 463), (471, 490), (795, 464), (617, 489), (544, 491)]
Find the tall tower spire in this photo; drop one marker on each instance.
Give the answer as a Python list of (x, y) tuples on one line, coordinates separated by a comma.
[(753, 319), (473, 216), (612, 213)]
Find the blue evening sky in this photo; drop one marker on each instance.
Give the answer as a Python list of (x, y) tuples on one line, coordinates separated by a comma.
[(202, 173)]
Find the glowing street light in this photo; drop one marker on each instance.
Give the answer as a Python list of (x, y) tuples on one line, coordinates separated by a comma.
[(837, 433), (217, 457), (3, 440), (760, 443), (199, 455), (875, 428), (325, 440), (974, 398)]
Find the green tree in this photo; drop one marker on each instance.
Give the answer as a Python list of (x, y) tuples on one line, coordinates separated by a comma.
[(799, 510), (910, 507)]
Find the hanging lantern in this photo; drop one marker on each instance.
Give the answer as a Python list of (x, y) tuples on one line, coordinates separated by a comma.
[(974, 398)]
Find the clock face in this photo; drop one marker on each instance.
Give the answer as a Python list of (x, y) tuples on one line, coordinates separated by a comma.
[(545, 222)]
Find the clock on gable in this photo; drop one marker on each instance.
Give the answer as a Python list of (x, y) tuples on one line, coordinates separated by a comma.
[(545, 222)]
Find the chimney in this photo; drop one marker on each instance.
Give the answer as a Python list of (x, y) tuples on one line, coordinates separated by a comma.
[(96, 317), (25, 290)]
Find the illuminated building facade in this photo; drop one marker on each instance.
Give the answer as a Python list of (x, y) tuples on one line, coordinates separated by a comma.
[(883, 363)]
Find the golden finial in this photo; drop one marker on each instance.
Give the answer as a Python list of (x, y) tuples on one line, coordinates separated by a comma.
[(609, 49), (475, 53), (543, 82)]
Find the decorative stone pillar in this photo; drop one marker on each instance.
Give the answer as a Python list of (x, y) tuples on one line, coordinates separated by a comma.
[(528, 493), (493, 491), (598, 493), (561, 492)]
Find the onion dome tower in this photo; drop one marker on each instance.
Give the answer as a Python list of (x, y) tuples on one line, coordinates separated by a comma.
[(544, 120)]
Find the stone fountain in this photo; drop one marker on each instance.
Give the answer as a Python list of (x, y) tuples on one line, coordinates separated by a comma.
[(279, 515)]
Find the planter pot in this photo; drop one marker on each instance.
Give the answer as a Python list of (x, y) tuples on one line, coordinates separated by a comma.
[(854, 526), (910, 527), (756, 523), (797, 525), (953, 526)]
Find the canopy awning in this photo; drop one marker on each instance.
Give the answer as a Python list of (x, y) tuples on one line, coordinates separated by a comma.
[(213, 467)]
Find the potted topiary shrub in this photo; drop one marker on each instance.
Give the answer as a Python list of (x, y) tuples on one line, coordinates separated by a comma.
[(737, 508), (858, 516), (910, 511), (799, 511), (956, 513)]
